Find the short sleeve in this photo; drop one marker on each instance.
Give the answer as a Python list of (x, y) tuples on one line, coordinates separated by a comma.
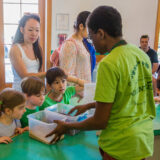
[(18, 123), (67, 57), (47, 102), (154, 57), (107, 80), (70, 92)]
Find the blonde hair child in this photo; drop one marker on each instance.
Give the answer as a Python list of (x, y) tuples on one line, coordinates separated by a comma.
[(34, 90)]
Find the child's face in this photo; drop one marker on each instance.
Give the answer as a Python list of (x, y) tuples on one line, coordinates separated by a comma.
[(38, 99), (18, 111), (59, 85)]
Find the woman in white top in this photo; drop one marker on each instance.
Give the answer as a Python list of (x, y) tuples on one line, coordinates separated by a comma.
[(26, 53), (74, 58)]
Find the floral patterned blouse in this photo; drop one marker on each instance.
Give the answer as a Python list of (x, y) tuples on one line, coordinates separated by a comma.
[(74, 59)]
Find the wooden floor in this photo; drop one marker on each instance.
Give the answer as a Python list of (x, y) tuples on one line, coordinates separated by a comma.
[(156, 154)]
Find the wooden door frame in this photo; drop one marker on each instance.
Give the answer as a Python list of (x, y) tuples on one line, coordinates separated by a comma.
[(42, 6), (49, 33), (46, 26), (42, 12), (157, 30), (2, 71)]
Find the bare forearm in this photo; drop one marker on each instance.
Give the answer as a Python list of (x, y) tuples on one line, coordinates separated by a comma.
[(76, 80), (97, 122), (154, 67), (93, 123), (88, 124), (91, 105), (39, 74)]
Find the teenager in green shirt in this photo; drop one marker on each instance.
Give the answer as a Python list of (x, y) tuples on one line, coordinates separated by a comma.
[(34, 90), (124, 94), (59, 92)]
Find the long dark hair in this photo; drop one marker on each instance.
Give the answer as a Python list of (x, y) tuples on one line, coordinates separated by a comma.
[(18, 38), (81, 19)]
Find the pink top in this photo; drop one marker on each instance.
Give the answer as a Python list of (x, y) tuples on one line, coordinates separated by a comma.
[(75, 59)]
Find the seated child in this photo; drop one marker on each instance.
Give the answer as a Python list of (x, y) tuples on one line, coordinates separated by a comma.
[(12, 107), (34, 90), (59, 93)]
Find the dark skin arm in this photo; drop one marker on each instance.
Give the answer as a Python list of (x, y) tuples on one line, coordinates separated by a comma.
[(82, 108), (96, 122)]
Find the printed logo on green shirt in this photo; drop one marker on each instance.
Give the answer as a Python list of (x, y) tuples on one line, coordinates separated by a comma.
[(144, 84), (133, 72)]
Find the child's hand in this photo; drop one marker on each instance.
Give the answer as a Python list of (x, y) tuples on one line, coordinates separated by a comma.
[(19, 130), (79, 95), (76, 80), (26, 128), (157, 99), (5, 140)]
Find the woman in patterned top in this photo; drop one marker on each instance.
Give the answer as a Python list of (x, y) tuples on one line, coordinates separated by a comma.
[(74, 58)]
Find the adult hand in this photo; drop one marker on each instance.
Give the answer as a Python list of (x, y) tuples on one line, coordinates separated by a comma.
[(58, 131), (5, 140), (80, 109)]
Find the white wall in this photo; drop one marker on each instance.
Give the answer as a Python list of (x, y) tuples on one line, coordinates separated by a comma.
[(138, 16)]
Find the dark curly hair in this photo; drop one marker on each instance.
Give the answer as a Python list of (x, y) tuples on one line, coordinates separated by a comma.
[(106, 18)]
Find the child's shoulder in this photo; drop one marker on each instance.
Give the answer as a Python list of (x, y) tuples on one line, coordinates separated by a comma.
[(7, 130), (70, 88), (70, 91)]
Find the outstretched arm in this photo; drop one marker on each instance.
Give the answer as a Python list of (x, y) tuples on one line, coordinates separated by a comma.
[(154, 67), (97, 121), (82, 108), (76, 80)]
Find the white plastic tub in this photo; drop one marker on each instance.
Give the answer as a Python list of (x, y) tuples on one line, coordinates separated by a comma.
[(89, 93), (63, 109), (41, 123)]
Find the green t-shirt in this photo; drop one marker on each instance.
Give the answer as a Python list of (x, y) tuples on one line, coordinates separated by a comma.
[(24, 119), (69, 93), (124, 79)]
